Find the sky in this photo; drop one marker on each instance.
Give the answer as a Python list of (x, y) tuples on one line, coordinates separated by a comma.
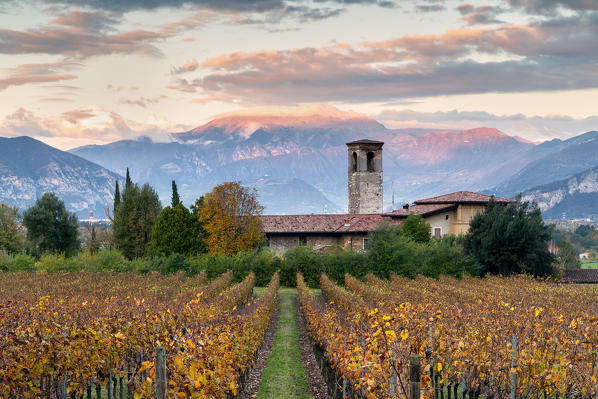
[(96, 71)]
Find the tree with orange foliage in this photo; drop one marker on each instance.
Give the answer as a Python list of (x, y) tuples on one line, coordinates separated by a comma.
[(230, 217)]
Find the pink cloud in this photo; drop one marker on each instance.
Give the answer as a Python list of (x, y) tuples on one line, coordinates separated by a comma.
[(539, 56), (38, 73), (188, 66)]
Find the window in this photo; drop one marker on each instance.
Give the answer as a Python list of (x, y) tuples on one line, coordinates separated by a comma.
[(354, 162), (370, 157), (437, 232), (302, 240), (446, 217), (366, 243)]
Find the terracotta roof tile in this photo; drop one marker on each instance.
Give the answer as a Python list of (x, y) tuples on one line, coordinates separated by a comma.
[(333, 223), (461, 197), (581, 276), (423, 209)]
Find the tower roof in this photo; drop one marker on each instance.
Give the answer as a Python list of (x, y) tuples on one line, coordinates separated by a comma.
[(365, 141)]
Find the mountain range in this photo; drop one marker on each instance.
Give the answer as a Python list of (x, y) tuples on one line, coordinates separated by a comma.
[(298, 160), (30, 168)]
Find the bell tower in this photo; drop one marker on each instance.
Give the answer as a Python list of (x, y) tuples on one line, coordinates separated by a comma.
[(365, 176)]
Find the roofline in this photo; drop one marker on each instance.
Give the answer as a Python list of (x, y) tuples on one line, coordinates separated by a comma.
[(427, 202), (434, 212), (335, 232), (330, 214)]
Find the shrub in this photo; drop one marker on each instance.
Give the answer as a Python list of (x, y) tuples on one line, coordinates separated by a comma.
[(6, 261), (301, 259), (58, 263), (23, 263)]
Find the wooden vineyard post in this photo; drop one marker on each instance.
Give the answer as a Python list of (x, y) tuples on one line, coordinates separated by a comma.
[(596, 360), (393, 376), (109, 386), (160, 366), (414, 376), (514, 369)]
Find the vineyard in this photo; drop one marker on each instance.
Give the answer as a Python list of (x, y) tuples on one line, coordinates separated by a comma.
[(494, 338), (90, 335)]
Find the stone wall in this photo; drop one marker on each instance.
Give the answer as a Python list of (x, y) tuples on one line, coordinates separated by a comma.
[(365, 183), (279, 243)]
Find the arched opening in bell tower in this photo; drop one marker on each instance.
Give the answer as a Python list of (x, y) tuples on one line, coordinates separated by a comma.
[(354, 162), (370, 158)]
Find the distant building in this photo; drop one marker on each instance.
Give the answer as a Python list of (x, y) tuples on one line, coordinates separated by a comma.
[(585, 255), (447, 214)]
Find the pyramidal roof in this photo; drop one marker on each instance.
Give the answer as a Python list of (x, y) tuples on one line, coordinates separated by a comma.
[(365, 141)]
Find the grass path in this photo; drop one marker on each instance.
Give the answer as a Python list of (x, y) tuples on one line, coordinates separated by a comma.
[(285, 376)]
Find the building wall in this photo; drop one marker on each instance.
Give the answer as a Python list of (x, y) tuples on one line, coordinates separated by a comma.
[(445, 221), (465, 213), (279, 243)]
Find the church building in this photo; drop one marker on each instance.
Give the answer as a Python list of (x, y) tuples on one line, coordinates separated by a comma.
[(447, 214)]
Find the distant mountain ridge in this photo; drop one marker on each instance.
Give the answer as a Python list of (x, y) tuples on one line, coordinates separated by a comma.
[(575, 196), (30, 168), (298, 160), (309, 145), (552, 161)]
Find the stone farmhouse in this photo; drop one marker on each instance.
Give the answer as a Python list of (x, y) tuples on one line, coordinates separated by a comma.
[(447, 214)]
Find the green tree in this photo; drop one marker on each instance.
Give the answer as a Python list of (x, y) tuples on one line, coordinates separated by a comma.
[(177, 231), (175, 195), (416, 228), (116, 196), (230, 217), (584, 230), (128, 181), (510, 239), (566, 257), (134, 219), (11, 233), (50, 227)]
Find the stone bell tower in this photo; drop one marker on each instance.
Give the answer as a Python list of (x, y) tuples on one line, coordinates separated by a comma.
[(365, 176)]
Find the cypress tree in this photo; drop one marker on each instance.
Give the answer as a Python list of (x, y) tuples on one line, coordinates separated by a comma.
[(175, 195), (116, 196), (128, 182)]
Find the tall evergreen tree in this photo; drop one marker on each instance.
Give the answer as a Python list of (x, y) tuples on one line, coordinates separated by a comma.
[(134, 219), (510, 239), (128, 182), (177, 231), (175, 195), (116, 196)]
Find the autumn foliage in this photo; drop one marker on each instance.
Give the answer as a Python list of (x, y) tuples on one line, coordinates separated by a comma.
[(463, 331), (76, 331), (230, 216)]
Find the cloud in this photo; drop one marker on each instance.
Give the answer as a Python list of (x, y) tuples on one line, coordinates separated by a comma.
[(550, 6), (484, 14), (188, 66), (23, 123), (555, 55), (245, 6), (83, 126), (429, 7), (530, 127), (80, 34), (38, 73), (143, 102), (77, 115)]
